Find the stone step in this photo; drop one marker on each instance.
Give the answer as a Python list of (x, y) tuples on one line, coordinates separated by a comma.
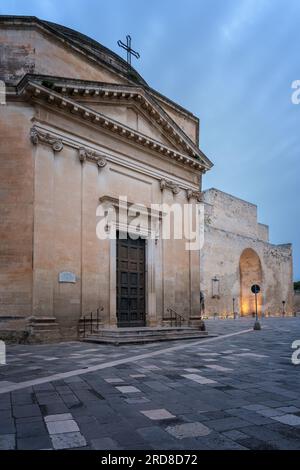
[(142, 332), (145, 335)]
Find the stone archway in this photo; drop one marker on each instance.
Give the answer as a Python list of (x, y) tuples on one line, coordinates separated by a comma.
[(250, 273)]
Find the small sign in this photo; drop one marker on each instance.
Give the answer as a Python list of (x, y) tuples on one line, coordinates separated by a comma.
[(2, 354), (255, 289), (67, 276)]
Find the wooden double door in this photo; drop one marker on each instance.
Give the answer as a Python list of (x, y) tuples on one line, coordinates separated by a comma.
[(131, 282)]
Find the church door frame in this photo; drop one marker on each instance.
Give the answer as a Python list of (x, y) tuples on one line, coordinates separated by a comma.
[(150, 284)]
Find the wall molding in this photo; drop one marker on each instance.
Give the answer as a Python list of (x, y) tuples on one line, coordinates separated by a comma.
[(112, 157), (92, 156), (167, 184), (37, 136)]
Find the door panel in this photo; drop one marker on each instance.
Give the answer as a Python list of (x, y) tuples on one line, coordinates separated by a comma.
[(131, 282)]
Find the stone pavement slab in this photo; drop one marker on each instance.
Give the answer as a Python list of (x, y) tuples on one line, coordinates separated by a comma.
[(185, 430), (237, 391)]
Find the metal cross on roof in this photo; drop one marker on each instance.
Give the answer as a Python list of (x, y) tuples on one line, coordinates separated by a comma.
[(129, 50)]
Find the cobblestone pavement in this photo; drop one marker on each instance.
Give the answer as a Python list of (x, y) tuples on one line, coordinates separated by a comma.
[(231, 392)]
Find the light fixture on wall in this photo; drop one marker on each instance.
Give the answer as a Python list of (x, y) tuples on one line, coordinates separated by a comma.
[(215, 288)]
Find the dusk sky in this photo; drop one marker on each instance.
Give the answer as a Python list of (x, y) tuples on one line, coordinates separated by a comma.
[(230, 62)]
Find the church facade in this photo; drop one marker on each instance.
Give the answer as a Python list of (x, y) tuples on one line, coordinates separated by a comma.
[(80, 129)]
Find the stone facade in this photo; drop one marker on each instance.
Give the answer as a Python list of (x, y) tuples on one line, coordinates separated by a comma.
[(297, 302), (67, 143), (237, 254), (81, 128)]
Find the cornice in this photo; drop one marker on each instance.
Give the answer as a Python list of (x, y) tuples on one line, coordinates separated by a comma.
[(142, 98), (39, 92), (85, 153)]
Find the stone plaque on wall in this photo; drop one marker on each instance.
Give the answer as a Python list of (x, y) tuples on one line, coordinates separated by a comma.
[(67, 276)]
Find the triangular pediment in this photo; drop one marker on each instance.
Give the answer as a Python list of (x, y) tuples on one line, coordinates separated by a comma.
[(88, 93), (133, 117), (154, 128)]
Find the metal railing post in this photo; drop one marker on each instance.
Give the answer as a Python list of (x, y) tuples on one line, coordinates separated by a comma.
[(91, 323), (97, 318)]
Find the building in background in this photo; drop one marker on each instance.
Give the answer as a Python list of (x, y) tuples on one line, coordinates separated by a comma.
[(237, 254)]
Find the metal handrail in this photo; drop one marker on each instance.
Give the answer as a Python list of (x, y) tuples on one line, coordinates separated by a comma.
[(175, 317), (88, 321)]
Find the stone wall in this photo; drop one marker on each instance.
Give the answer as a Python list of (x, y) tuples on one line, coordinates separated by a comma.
[(50, 224), (16, 211), (232, 233), (50, 194), (297, 302)]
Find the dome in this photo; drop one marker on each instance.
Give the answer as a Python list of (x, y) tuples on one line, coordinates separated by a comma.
[(99, 51)]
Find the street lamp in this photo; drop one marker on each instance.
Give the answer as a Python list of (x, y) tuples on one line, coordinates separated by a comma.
[(233, 308), (283, 308), (215, 288), (255, 289)]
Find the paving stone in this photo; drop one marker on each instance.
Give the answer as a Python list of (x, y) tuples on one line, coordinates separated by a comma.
[(219, 368), (182, 431), (7, 442), (55, 408), (251, 355), (62, 427), (219, 441), (22, 411), (257, 444), (128, 389), (270, 412), (151, 367), (235, 435), (7, 426), (199, 379), (69, 440), (227, 424), (155, 436), (158, 414), (133, 401), (114, 380), (34, 443), (255, 407), (31, 429), (289, 409), (105, 443), (5, 414), (58, 417), (290, 419)]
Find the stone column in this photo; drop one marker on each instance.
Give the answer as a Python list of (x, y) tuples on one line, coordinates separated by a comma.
[(194, 198), (43, 322)]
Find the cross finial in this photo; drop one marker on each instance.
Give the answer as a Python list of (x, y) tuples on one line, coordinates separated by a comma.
[(128, 48)]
